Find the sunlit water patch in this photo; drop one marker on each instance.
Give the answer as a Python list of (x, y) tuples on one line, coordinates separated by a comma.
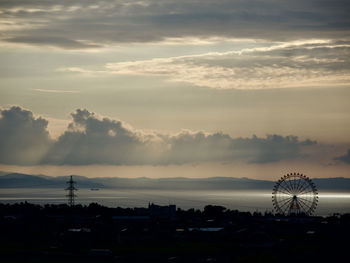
[(329, 202)]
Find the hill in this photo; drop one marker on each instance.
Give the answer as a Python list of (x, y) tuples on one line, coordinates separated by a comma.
[(18, 180)]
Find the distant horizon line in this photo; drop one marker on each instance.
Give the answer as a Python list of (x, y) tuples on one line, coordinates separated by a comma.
[(5, 173)]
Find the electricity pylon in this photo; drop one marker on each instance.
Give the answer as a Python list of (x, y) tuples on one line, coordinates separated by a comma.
[(71, 188)]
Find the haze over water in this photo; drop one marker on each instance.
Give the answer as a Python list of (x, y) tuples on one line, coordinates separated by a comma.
[(250, 200)]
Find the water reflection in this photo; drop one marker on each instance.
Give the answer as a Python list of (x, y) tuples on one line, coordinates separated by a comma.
[(249, 200)]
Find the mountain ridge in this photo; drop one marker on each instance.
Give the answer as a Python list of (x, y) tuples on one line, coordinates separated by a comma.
[(21, 180)]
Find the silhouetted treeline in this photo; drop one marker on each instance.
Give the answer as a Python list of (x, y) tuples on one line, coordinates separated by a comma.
[(95, 233), (25, 208), (94, 209)]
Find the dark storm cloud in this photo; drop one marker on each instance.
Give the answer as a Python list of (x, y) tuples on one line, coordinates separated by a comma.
[(90, 139), (118, 21), (344, 158), (23, 138)]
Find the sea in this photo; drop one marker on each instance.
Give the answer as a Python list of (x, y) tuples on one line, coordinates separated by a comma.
[(242, 200)]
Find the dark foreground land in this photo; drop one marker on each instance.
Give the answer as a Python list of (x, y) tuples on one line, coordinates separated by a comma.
[(58, 233)]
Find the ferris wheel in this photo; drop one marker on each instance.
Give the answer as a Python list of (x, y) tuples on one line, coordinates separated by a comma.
[(294, 193)]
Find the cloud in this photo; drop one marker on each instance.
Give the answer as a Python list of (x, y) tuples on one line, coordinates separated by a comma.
[(198, 147), (90, 139), (57, 91), (310, 63), (47, 40), (70, 24), (101, 140), (24, 139), (344, 158)]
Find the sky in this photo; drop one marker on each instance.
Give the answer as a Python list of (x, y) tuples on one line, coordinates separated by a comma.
[(174, 88)]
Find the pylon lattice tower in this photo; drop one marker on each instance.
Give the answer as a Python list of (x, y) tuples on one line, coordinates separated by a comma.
[(71, 189)]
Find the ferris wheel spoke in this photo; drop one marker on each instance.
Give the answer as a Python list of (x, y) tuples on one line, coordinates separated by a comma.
[(299, 186), (305, 200), (286, 202), (281, 199), (286, 186), (286, 189), (295, 184), (284, 192), (301, 206), (305, 187), (286, 208), (305, 205), (309, 205), (301, 202), (281, 207), (280, 185), (291, 185), (310, 188), (306, 191)]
